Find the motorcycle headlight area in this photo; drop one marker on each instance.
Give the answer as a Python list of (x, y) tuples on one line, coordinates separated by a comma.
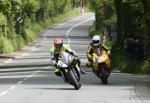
[(61, 64), (96, 59), (102, 58)]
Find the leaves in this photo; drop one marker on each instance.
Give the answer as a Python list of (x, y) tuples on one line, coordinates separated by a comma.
[(3, 20), (17, 17)]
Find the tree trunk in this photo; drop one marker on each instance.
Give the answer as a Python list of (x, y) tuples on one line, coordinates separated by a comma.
[(146, 4), (98, 16), (108, 12), (118, 6)]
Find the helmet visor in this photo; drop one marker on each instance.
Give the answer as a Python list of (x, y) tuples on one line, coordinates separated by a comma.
[(58, 50), (58, 46), (95, 41)]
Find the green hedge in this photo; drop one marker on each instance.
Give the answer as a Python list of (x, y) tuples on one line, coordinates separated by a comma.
[(93, 32), (120, 61), (31, 32)]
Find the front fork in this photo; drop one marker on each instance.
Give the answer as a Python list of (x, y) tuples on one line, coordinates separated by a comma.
[(77, 71)]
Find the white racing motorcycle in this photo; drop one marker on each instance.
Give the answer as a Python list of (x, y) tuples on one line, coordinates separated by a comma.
[(69, 69)]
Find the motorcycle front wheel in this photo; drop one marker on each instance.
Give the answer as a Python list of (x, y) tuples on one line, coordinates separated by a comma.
[(103, 74), (73, 80)]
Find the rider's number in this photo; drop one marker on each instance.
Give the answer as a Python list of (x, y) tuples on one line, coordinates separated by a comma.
[(97, 59), (60, 64)]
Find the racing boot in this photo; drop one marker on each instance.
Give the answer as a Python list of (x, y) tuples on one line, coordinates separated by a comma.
[(88, 64), (79, 66), (57, 72), (82, 71)]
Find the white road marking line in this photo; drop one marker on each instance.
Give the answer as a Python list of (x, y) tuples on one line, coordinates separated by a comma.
[(29, 76), (20, 82), (25, 78), (67, 33), (3, 93), (60, 25), (12, 87), (38, 71)]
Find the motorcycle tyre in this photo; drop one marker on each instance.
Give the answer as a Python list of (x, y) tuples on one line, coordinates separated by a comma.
[(73, 80), (104, 77)]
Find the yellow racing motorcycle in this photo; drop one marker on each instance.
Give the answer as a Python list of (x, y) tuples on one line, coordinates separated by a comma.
[(101, 66)]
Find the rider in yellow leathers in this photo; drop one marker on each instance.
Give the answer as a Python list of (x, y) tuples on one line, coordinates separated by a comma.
[(55, 52), (95, 47)]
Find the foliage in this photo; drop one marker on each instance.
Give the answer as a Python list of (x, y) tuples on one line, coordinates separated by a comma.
[(133, 22), (21, 20), (132, 19), (93, 32), (33, 6), (30, 35), (121, 62), (146, 66), (118, 59), (5, 7), (104, 14), (3, 20), (5, 44)]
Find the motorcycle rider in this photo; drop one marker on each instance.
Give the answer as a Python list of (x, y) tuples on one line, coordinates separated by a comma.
[(95, 46), (55, 52)]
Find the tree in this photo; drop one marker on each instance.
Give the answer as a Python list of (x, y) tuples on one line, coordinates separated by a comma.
[(146, 4)]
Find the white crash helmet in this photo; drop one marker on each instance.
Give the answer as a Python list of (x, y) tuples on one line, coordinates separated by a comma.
[(96, 40)]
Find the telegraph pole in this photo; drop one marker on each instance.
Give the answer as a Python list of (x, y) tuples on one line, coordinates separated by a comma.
[(81, 7)]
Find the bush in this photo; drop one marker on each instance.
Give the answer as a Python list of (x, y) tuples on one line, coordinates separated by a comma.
[(6, 45), (30, 35), (18, 42), (1, 43), (93, 32), (37, 28), (122, 63), (118, 59), (146, 67)]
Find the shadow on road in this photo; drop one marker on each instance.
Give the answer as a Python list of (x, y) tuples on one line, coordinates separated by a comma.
[(25, 65), (55, 88)]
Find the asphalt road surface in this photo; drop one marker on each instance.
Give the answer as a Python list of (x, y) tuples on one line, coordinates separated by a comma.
[(29, 79)]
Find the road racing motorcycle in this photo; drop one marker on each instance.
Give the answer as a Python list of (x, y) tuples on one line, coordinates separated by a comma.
[(69, 69), (101, 66)]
